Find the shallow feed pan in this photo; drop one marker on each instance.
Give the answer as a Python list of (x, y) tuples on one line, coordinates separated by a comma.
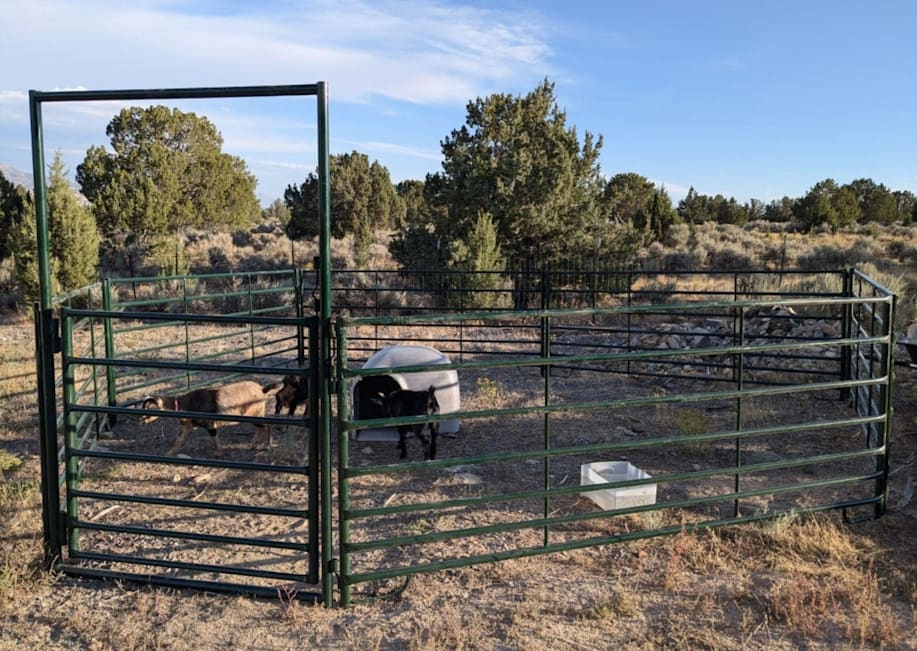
[(604, 472)]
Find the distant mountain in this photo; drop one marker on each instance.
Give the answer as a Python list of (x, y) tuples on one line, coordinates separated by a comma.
[(17, 177)]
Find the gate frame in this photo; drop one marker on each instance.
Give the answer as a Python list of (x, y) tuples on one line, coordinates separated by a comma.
[(47, 326)]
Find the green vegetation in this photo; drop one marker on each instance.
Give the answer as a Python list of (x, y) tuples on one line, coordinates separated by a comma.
[(74, 238), (516, 159), (72, 234), (166, 171), (363, 200)]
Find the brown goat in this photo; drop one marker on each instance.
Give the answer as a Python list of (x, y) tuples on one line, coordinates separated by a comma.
[(235, 399)]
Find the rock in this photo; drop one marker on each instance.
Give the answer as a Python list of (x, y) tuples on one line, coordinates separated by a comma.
[(468, 478), (674, 342)]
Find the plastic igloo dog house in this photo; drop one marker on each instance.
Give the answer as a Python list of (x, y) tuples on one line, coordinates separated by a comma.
[(365, 389)]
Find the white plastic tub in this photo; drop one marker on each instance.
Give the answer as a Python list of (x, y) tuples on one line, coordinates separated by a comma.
[(603, 472)]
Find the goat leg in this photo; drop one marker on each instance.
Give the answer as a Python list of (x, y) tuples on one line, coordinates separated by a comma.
[(214, 440), (434, 431), (402, 441), (418, 432), (182, 433)]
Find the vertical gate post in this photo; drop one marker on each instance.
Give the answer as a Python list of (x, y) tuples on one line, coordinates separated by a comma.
[(71, 462), (316, 519), (47, 427), (846, 331), (546, 421), (885, 399), (324, 329), (343, 467), (45, 340), (298, 301), (739, 372)]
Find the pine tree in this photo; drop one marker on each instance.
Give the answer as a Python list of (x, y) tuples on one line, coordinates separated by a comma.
[(74, 237), (479, 254), (23, 244), (518, 160), (166, 170)]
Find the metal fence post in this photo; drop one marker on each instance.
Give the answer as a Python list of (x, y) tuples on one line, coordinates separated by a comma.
[(885, 399), (847, 329), (343, 438), (298, 304), (71, 462), (109, 336), (47, 427)]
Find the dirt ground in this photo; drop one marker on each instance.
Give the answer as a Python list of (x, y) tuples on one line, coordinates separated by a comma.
[(814, 583)]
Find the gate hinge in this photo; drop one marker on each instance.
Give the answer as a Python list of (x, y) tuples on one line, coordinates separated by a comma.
[(334, 566), (62, 515)]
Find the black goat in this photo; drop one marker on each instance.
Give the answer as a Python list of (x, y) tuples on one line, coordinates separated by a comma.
[(295, 392), (403, 402)]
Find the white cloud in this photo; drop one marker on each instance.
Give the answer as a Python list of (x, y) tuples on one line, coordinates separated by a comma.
[(283, 165), (676, 191), (424, 53), (14, 107), (402, 150), (419, 52)]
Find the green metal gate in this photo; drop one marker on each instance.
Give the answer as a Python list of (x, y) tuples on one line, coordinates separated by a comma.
[(76, 502), (756, 420), (233, 523)]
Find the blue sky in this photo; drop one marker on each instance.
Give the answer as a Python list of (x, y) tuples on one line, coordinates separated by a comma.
[(740, 98)]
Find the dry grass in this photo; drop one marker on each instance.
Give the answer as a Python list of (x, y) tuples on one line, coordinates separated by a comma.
[(813, 582)]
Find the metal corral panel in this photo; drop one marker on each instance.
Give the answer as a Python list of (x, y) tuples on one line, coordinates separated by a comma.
[(445, 381)]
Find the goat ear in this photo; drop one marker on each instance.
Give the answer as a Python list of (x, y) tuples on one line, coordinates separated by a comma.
[(376, 401), (431, 390)]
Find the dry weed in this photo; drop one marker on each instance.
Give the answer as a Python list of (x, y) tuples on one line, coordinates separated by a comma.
[(826, 586), (691, 423)]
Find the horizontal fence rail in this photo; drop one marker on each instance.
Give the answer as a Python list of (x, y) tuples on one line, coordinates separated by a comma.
[(779, 438)]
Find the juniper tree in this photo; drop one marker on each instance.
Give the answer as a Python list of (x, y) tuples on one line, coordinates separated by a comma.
[(165, 171), (73, 235)]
